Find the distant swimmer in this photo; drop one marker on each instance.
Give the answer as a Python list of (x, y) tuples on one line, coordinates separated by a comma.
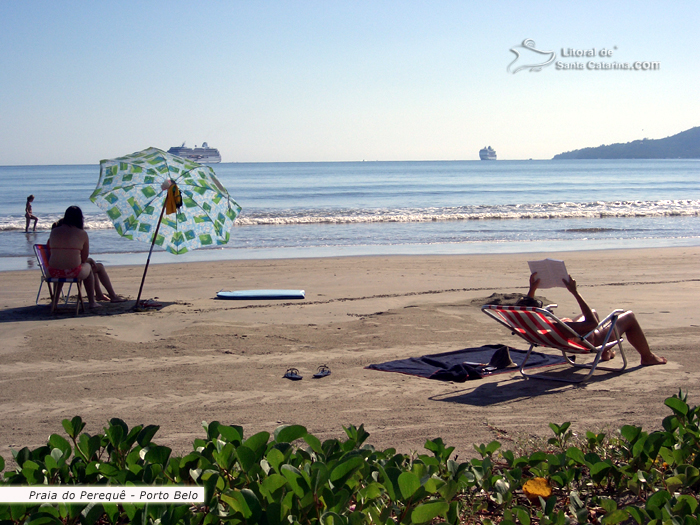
[(29, 215)]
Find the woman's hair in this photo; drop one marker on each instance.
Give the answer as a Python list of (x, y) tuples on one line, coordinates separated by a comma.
[(30, 198), (529, 301), (73, 217)]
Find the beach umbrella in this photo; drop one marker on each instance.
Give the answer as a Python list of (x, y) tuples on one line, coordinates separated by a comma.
[(165, 200)]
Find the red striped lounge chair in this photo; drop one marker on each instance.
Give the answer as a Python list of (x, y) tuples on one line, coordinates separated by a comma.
[(42, 256), (540, 327)]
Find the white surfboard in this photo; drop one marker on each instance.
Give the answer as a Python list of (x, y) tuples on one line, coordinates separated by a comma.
[(261, 294)]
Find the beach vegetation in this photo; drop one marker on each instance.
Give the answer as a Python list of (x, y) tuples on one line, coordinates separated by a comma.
[(290, 476)]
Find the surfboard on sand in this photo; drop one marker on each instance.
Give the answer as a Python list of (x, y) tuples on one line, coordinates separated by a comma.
[(261, 294)]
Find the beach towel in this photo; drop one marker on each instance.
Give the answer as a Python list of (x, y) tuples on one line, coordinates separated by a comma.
[(467, 364)]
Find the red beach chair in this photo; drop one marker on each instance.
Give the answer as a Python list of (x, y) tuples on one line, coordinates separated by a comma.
[(540, 327), (42, 256)]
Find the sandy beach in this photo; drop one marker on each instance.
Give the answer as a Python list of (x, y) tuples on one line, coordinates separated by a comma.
[(202, 359)]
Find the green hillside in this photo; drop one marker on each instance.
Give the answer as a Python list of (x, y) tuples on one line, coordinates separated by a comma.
[(684, 145)]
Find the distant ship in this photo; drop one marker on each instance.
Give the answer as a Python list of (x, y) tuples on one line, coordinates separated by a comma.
[(487, 153), (203, 155)]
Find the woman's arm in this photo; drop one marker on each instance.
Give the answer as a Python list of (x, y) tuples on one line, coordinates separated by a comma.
[(85, 252), (589, 319), (534, 283)]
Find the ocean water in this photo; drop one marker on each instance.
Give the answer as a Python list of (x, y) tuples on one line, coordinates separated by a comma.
[(372, 208)]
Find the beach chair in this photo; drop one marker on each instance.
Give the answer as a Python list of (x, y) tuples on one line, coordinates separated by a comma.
[(540, 327), (42, 256)]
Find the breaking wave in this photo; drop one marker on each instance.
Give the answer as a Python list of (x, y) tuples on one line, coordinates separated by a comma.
[(564, 210), (561, 210)]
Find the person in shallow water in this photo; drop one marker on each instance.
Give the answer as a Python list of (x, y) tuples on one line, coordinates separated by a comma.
[(627, 324), (29, 215), (69, 248)]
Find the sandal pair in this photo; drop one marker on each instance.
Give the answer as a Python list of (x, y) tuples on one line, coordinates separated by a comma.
[(294, 375)]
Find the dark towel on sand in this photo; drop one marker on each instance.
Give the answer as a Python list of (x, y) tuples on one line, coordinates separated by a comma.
[(469, 363)]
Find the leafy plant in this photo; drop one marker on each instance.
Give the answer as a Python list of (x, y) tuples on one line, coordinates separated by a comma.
[(289, 476)]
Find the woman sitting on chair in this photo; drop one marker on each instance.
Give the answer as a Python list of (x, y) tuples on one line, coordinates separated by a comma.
[(626, 324), (69, 248)]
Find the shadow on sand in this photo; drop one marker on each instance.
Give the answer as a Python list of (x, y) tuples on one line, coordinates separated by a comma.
[(42, 311), (517, 388)]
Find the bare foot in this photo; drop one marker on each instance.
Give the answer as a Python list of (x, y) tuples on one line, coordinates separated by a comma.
[(607, 355), (94, 305), (118, 299), (654, 359), (102, 297)]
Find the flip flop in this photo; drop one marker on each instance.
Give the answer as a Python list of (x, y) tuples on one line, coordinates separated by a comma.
[(150, 303), (293, 374), (323, 371)]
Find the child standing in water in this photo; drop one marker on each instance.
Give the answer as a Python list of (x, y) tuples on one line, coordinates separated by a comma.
[(29, 215)]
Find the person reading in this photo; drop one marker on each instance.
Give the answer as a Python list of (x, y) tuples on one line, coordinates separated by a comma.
[(627, 324)]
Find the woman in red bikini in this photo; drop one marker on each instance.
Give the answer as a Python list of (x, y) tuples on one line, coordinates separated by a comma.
[(69, 248)]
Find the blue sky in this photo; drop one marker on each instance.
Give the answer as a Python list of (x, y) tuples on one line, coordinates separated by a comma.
[(336, 81)]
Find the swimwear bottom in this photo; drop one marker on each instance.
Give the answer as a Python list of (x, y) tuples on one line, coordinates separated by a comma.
[(69, 273)]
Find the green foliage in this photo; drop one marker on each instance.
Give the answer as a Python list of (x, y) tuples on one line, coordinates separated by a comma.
[(290, 477), (683, 145)]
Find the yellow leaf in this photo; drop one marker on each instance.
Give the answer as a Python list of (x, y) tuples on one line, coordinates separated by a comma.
[(536, 487)]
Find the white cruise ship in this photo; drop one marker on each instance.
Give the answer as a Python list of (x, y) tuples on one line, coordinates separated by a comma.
[(487, 153), (203, 154)]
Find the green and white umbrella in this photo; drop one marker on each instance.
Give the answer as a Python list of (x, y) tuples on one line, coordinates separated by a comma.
[(132, 190)]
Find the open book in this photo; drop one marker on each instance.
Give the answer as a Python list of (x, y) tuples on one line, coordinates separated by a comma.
[(550, 272)]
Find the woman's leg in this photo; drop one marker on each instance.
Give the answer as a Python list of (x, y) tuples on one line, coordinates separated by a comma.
[(581, 318), (98, 291), (88, 279), (628, 326), (101, 273), (57, 287), (99, 295)]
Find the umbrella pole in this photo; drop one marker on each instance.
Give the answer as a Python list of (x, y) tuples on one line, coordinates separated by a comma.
[(143, 279)]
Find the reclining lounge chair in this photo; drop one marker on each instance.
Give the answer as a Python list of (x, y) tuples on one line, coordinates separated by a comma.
[(540, 327)]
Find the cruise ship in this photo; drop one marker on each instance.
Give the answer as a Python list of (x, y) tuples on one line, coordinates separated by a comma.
[(487, 153), (203, 155)]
